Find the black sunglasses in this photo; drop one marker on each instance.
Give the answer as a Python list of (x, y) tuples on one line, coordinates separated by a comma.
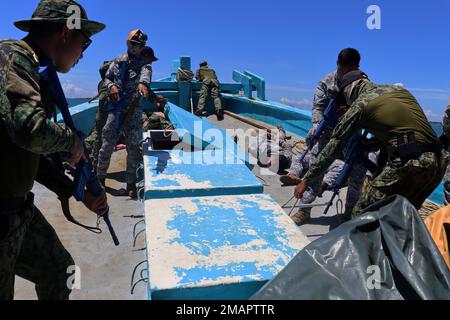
[(137, 44), (86, 43)]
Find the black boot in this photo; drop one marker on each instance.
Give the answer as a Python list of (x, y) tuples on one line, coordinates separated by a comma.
[(219, 115), (199, 113), (132, 190)]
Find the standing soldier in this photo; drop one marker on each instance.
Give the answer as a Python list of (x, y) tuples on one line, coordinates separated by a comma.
[(29, 246), (208, 78), (137, 77), (326, 90), (94, 140), (416, 161)]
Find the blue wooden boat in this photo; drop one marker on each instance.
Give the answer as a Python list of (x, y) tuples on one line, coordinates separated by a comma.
[(213, 226)]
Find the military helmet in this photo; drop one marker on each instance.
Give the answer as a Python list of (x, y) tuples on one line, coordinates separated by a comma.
[(148, 52), (59, 11), (203, 64), (137, 36)]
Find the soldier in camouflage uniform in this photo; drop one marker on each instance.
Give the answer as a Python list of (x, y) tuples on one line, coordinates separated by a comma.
[(94, 141), (446, 132), (210, 84), (29, 246), (393, 116), (138, 79), (326, 91)]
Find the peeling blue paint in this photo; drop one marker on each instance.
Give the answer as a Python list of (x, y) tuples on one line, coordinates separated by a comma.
[(206, 229), (164, 171), (195, 275), (217, 224)]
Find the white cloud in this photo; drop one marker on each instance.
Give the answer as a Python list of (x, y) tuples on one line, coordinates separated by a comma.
[(302, 103), (431, 93), (74, 91), (290, 89), (432, 116)]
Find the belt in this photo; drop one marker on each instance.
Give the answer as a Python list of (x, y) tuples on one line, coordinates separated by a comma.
[(415, 151)]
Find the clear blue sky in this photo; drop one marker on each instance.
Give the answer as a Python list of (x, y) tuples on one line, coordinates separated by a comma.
[(291, 43)]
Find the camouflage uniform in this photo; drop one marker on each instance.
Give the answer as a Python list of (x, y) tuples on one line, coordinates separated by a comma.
[(446, 128), (94, 140), (138, 72), (209, 81), (356, 179), (29, 246), (376, 109)]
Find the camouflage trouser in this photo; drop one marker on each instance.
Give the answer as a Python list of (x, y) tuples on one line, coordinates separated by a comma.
[(94, 140), (30, 249), (414, 180), (300, 168), (133, 135), (355, 180), (215, 94), (333, 172)]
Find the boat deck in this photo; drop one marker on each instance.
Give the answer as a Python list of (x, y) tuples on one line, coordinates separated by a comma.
[(319, 224), (105, 269)]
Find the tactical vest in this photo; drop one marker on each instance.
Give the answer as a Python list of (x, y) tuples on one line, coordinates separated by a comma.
[(206, 73)]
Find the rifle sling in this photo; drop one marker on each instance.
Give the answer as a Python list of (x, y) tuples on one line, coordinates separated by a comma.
[(66, 211)]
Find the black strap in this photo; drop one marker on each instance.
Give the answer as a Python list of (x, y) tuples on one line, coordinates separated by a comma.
[(400, 140), (411, 137), (369, 165), (415, 150), (66, 211)]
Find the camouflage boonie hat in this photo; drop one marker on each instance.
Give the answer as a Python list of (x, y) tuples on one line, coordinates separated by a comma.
[(203, 64), (59, 11)]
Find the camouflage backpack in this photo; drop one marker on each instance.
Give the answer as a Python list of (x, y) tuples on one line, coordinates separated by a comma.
[(184, 75), (104, 68)]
